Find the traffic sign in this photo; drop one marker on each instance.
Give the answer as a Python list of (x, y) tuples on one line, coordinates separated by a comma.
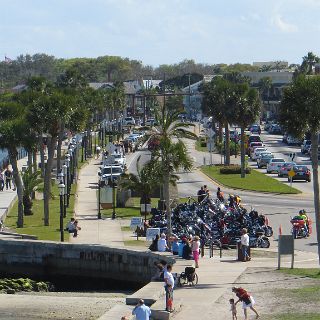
[(291, 173), (110, 160), (135, 222), (211, 133), (111, 148)]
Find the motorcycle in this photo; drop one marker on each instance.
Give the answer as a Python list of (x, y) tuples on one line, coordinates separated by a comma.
[(299, 230)]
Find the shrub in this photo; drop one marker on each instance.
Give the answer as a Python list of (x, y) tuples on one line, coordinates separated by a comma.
[(203, 144), (233, 147), (233, 170)]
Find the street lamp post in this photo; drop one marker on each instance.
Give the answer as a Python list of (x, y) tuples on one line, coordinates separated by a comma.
[(68, 180), (64, 168), (99, 199), (114, 186), (61, 192)]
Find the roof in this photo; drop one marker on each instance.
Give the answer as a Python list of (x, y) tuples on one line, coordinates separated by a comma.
[(101, 85)]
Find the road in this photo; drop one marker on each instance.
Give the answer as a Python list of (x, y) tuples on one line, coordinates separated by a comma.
[(278, 208)]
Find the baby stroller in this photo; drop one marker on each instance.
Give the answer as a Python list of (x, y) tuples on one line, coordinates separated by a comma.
[(188, 277)]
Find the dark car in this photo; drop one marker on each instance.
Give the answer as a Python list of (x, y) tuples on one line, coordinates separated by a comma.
[(255, 128), (264, 160), (283, 171), (301, 173)]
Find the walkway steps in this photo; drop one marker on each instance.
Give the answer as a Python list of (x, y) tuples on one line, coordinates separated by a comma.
[(118, 311), (149, 293), (158, 309)]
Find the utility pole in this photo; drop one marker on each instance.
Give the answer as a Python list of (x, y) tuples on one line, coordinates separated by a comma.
[(189, 75)]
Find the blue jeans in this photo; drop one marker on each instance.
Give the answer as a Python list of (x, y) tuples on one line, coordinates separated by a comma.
[(245, 252)]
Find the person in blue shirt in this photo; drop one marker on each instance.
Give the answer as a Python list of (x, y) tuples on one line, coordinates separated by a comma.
[(175, 246), (141, 311)]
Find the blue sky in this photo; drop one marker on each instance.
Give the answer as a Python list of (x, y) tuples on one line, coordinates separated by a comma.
[(162, 31)]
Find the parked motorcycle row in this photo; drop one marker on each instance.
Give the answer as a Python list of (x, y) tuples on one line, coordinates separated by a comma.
[(215, 222)]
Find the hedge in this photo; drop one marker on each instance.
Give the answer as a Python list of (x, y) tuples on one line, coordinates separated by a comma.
[(235, 169)]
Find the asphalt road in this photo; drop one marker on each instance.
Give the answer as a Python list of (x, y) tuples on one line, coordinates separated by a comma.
[(278, 208)]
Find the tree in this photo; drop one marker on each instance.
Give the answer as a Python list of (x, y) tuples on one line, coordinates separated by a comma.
[(30, 182), (13, 126), (143, 183), (300, 113), (264, 85), (308, 63), (171, 155), (246, 110)]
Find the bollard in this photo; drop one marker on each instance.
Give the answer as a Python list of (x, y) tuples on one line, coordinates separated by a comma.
[(280, 230), (204, 161)]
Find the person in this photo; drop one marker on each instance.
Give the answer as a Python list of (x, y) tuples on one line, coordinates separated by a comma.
[(162, 243), (141, 311), (247, 301), (220, 195), (195, 246), (245, 245), (98, 150), (154, 244), (8, 177), (233, 309), (1, 181), (169, 285), (175, 246), (161, 267), (77, 227), (303, 215), (186, 251), (70, 226), (206, 190), (201, 194)]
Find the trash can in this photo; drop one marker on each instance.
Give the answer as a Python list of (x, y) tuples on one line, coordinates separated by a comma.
[(239, 250)]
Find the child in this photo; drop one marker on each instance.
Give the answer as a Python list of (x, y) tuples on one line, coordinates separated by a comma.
[(233, 309)]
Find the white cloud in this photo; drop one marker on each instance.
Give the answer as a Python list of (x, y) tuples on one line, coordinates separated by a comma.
[(283, 26)]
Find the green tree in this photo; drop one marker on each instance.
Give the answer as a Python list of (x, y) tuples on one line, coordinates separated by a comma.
[(300, 113), (31, 181), (264, 86), (246, 108), (308, 63), (172, 154), (13, 126)]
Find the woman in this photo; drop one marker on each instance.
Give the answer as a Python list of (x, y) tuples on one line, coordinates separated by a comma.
[(247, 301), (195, 246), (154, 244), (162, 243)]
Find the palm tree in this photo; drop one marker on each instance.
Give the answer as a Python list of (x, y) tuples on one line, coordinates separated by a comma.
[(143, 183), (246, 110), (264, 85), (300, 113), (30, 182), (13, 127), (308, 63), (171, 155)]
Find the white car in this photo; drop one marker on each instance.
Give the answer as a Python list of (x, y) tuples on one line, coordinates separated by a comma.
[(119, 159), (257, 152), (275, 164), (128, 121), (110, 171)]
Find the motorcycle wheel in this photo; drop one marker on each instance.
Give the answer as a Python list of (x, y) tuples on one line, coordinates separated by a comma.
[(295, 234), (268, 231), (265, 243)]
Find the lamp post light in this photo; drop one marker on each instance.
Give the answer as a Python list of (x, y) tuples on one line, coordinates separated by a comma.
[(65, 170), (61, 192), (99, 199), (68, 180), (114, 186)]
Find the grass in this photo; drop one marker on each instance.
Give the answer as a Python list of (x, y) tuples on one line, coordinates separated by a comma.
[(199, 148), (33, 225), (303, 272), (255, 181), (140, 243), (126, 228)]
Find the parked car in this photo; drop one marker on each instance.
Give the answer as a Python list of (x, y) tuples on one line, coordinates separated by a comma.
[(283, 171), (301, 173), (274, 165), (112, 172), (119, 159), (255, 128), (305, 145), (264, 159), (293, 141), (128, 121), (275, 129), (254, 155), (254, 138), (252, 146)]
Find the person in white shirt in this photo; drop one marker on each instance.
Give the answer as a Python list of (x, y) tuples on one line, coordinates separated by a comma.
[(162, 243), (169, 285), (245, 245)]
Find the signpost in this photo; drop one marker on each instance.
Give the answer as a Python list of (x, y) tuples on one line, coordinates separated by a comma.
[(291, 174), (151, 233), (210, 143), (135, 222), (285, 247), (110, 148)]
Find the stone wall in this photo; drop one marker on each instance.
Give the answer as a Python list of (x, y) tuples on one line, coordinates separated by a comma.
[(53, 259)]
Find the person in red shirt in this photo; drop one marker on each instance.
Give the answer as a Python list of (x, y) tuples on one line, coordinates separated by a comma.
[(247, 301)]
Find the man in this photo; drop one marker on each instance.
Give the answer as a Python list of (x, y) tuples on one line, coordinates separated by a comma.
[(303, 215), (245, 245), (8, 177), (169, 285), (201, 194), (141, 311)]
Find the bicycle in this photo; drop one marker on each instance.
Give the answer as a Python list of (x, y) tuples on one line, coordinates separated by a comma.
[(188, 277)]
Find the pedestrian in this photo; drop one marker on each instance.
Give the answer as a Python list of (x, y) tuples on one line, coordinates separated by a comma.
[(169, 285), (233, 309), (195, 247), (247, 301), (141, 311), (245, 245), (1, 181), (98, 150), (220, 195), (162, 243), (8, 177), (206, 190), (201, 194)]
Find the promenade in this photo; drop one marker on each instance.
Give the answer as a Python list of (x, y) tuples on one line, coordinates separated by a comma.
[(216, 275)]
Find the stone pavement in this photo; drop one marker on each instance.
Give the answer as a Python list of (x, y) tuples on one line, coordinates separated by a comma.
[(216, 275)]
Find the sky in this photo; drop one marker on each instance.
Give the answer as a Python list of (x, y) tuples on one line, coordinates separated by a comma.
[(162, 31)]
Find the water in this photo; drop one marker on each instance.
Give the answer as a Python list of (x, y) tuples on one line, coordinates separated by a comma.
[(4, 155)]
